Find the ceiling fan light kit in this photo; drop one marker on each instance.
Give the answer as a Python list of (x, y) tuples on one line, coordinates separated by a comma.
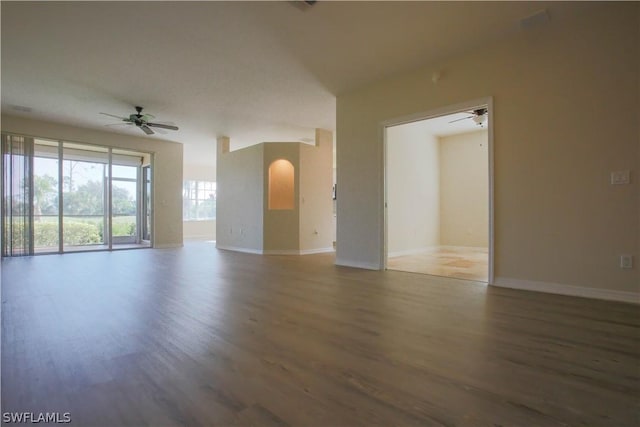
[(141, 121), (479, 116)]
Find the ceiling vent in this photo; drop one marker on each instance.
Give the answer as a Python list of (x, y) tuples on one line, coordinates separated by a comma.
[(538, 19)]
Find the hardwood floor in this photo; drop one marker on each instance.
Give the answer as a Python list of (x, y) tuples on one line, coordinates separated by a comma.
[(200, 337), (448, 261)]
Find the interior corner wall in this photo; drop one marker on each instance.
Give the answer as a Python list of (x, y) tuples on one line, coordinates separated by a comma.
[(566, 108), (413, 194), (464, 189), (281, 226), (203, 229), (167, 167), (316, 204), (239, 219)]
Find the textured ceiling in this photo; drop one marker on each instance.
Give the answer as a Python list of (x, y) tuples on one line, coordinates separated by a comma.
[(254, 71)]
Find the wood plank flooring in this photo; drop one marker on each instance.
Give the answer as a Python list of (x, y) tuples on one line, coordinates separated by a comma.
[(448, 261), (200, 337)]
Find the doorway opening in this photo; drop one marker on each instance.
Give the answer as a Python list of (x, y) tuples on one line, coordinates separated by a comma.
[(438, 193)]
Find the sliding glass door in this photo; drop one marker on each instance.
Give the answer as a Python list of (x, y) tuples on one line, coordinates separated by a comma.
[(85, 175), (17, 195), (65, 197), (146, 203), (46, 203), (125, 204)]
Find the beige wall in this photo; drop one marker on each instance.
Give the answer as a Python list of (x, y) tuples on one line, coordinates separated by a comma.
[(239, 216), (566, 115), (316, 205), (281, 226), (413, 189), (464, 189), (167, 172), (243, 202), (203, 171)]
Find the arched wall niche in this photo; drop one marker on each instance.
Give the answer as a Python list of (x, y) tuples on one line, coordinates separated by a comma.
[(281, 185)]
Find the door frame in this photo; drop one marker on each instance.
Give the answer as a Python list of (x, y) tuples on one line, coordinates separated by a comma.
[(438, 112)]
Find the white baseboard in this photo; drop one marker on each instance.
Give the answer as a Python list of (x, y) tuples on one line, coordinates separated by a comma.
[(275, 251), (316, 251), (167, 245), (571, 290), (281, 252), (357, 264), (239, 249), (296, 251), (199, 237)]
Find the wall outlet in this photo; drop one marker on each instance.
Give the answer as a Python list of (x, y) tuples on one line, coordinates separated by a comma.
[(626, 261), (620, 177)]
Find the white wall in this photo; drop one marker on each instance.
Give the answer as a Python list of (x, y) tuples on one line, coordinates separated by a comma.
[(167, 167), (566, 114), (239, 223), (464, 189), (413, 194)]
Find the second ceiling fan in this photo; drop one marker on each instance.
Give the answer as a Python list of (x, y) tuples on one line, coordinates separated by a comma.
[(479, 116)]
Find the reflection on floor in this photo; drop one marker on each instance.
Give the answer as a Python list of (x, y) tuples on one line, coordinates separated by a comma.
[(449, 261), (87, 248)]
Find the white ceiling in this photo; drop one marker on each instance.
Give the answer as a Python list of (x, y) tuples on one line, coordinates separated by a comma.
[(253, 71)]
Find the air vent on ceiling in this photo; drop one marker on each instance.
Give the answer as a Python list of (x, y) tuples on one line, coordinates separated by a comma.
[(538, 19)]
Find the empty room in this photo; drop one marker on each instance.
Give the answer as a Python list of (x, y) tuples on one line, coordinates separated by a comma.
[(200, 214), (437, 196)]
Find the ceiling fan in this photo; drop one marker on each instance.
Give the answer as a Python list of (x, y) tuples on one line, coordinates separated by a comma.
[(142, 121), (479, 116)]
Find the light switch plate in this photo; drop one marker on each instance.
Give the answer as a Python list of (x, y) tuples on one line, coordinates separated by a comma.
[(626, 261), (620, 177)]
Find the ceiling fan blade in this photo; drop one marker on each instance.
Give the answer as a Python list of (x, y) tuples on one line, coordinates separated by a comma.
[(117, 117), (162, 126), (147, 117), (146, 129), (464, 118), (119, 124)]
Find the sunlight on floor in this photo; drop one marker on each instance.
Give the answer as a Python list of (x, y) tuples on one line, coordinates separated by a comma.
[(450, 261)]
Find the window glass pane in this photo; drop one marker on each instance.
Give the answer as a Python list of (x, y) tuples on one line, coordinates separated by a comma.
[(123, 205), (119, 171), (199, 200), (84, 198), (45, 197)]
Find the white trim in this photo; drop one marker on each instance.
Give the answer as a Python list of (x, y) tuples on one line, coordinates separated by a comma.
[(239, 249), (296, 251), (357, 264), (210, 236), (167, 245), (382, 135), (281, 252), (571, 290), (316, 251), (275, 251)]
